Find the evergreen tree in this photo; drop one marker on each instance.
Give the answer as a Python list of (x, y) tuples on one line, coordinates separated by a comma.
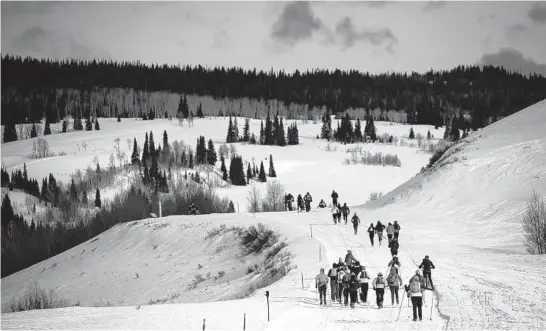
[(73, 192), (326, 130), (184, 159), (253, 139), (231, 207), (455, 134), (276, 131), (10, 133), (229, 137), (88, 124), (235, 129), (370, 130), (200, 111), (7, 214), (261, 176), (33, 132), (166, 151), (358, 130), (98, 203), (135, 157), (78, 126), (236, 171), (411, 134), (65, 126), (272, 172), (85, 201), (268, 131), (295, 135), (212, 158), (145, 150), (190, 162), (201, 151), (119, 118), (151, 145), (248, 174), (97, 126), (428, 135), (246, 131), (262, 133), (280, 134), (97, 169), (154, 168), (47, 128), (447, 132), (183, 109), (223, 168)]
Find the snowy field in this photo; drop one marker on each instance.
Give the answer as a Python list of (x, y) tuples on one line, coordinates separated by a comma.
[(465, 214)]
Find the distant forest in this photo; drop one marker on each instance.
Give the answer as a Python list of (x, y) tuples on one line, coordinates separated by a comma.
[(30, 89)]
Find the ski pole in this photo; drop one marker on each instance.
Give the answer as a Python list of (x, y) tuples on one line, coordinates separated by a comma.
[(399, 310), (431, 305)]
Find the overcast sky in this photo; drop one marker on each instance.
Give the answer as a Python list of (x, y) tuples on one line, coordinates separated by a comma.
[(367, 36)]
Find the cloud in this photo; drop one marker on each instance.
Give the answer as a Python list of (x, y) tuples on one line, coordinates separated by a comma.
[(10, 8), (516, 30), (513, 60), (377, 37), (434, 5), (37, 41), (537, 13), (296, 23)]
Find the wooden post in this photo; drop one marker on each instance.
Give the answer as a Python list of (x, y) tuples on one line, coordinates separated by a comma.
[(203, 324), (320, 253), (311, 227), (302, 281), (244, 322), (267, 296)]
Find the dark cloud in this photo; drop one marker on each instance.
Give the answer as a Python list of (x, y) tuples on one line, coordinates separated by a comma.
[(516, 30), (513, 60), (377, 37), (296, 23), (538, 13), (434, 5), (40, 42)]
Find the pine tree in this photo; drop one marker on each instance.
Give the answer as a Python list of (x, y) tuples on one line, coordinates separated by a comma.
[(145, 150), (447, 132), (200, 111), (190, 162), (236, 171), (166, 151), (411, 134), (10, 133), (455, 134), (97, 126), (98, 203), (261, 176), (135, 157), (268, 131), (184, 159), (252, 140), (280, 134), (428, 135), (47, 128), (85, 201), (88, 124), (235, 129), (231, 207), (33, 132), (262, 133), (7, 214), (248, 174), (223, 168), (151, 145), (275, 133), (183, 109), (295, 135), (65, 126), (212, 158), (370, 130), (326, 130), (246, 131), (229, 137), (73, 192), (358, 130), (97, 169), (201, 151), (272, 172)]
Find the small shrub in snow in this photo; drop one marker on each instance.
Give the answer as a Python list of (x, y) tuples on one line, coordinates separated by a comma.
[(199, 266), (40, 149), (534, 225), (375, 195), (221, 274), (36, 298), (257, 238), (436, 156), (276, 249)]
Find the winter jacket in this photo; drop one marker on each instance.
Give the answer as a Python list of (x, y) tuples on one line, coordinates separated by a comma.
[(355, 220), (371, 230), (390, 229), (394, 245), (346, 279), (345, 210), (354, 285), (426, 265), (321, 279), (396, 227), (322, 204), (340, 276), (415, 289), (334, 195), (379, 227), (332, 273), (418, 278), (355, 269), (300, 200), (349, 258), (289, 198), (378, 282), (394, 280), (335, 211), (308, 198), (393, 263), (363, 276)]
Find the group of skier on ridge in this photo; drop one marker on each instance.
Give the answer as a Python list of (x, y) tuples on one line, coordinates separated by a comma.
[(348, 278)]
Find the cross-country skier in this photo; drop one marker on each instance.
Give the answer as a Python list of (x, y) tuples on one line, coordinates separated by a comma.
[(394, 263), (363, 278), (419, 278), (322, 204), (346, 283), (288, 200), (396, 227), (334, 213), (308, 199), (340, 274), (415, 291), (394, 245), (390, 231), (339, 213), (371, 232), (379, 227), (378, 285), (334, 197), (355, 221), (345, 211), (300, 203), (332, 273), (321, 281), (193, 210), (349, 258), (394, 282), (353, 289), (426, 265)]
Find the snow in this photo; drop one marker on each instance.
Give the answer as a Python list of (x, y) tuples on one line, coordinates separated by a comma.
[(465, 214)]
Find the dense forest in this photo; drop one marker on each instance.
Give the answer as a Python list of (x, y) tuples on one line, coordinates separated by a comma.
[(485, 94)]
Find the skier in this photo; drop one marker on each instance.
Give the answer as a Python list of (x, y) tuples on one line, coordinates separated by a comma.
[(193, 209), (426, 265), (414, 290), (332, 273), (378, 285), (334, 213), (394, 245), (396, 227), (390, 231), (338, 213), (320, 283), (300, 203), (394, 263), (288, 200), (353, 289), (394, 280), (355, 221), (363, 280), (349, 258), (345, 210), (322, 204), (346, 283), (308, 199), (371, 232), (340, 274), (334, 197), (379, 227)]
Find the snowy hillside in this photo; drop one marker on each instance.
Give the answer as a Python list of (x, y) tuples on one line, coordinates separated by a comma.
[(465, 214)]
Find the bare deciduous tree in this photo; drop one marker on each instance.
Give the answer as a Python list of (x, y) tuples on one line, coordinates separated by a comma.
[(40, 149), (274, 196), (84, 145), (534, 225), (254, 199)]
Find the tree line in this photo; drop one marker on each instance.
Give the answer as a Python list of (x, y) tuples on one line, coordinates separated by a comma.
[(486, 93)]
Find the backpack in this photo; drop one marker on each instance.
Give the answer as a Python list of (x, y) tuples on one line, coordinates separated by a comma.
[(380, 280), (396, 226), (340, 276), (332, 271), (393, 279), (346, 278), (415, 287)]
